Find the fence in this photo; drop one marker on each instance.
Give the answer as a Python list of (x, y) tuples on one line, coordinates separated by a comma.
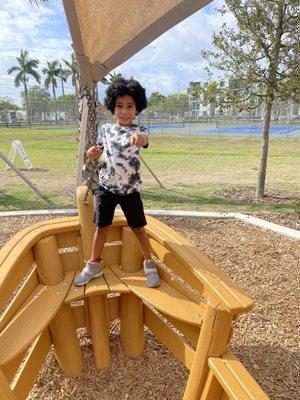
[(159, 119)]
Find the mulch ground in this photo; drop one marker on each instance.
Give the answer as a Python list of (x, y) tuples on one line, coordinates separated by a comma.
[(266, 340)]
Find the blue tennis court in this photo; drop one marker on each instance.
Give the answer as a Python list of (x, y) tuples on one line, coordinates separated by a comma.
[(211, 129), (255, 130)]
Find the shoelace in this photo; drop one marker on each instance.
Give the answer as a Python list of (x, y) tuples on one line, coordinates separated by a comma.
[(87, 271)]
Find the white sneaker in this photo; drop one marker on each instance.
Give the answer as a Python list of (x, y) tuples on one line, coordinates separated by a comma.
[(151, 273), (90, 271)]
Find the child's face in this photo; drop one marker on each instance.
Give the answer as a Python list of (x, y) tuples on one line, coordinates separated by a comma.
[(125, 110)]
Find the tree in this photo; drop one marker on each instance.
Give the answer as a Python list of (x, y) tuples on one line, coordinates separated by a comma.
[(8, 104), (71, 69), (52, 72), (38, 99), (155, 98), (27, 67), (63, 76), (262, 56), (177, 103)]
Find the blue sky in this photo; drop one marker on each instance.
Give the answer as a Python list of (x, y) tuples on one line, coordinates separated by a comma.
[(166, 65)]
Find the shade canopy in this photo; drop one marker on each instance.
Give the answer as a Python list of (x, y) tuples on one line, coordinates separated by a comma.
[(106, 33)]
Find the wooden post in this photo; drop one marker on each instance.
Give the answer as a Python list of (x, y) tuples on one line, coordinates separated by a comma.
[(97, 307), (100, 330), (49, 265), (213, 339), (5, 391), (131, 309), (131, 255), (62, 327), (132, 325)]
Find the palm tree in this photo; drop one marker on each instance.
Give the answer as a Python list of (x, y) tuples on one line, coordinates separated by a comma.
[(52, 72), (63, 76), (113, 75), (25, 68), (71, 69)]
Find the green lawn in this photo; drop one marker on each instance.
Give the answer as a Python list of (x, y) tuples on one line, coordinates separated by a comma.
[(192, 169)]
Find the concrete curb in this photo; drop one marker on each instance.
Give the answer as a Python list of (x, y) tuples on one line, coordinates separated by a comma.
[(261, 223)]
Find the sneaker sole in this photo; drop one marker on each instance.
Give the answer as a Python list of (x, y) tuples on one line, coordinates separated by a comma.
[(87, 281)]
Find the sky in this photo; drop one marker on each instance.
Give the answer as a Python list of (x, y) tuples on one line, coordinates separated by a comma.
[(166, 65)]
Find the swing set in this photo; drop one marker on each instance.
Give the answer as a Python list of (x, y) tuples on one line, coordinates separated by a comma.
[(191, 312)]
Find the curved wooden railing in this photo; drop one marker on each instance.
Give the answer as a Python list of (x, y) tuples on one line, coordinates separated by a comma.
[(37, 268)]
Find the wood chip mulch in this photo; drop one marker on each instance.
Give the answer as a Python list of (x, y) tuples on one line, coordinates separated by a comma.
[(266, 340)]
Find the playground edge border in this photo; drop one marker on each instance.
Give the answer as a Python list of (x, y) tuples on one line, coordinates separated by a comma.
[(261, 223)]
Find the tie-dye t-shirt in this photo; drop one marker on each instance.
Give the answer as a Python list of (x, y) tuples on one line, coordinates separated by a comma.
[(120, 164)]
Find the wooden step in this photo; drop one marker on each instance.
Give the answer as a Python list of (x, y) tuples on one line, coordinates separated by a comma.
[(114, 282), (165, 298), (32, 318), (109, 283), (235, 379)]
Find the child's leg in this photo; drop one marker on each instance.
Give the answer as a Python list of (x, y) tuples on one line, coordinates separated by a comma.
[(148, 264), (98, 242), (143, 239)]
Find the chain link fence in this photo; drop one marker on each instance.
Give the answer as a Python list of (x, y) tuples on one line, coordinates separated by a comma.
[(159, 120)]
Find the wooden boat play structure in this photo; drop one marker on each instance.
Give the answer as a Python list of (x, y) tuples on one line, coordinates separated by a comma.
[(191, 313)]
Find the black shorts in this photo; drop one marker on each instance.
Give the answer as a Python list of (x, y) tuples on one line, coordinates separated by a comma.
[(131, 205)]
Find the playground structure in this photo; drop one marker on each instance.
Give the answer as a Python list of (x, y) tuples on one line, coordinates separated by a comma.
[(47, 308), (191, 312)]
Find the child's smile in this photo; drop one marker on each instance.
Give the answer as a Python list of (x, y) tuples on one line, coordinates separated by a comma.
[(125, 110)]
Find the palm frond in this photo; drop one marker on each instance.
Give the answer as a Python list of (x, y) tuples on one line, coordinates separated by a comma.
[(35, 74), (19, 79), (38, 2), (47, 82), (13, 69)]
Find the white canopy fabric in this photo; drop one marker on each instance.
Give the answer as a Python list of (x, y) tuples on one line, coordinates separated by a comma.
[(106, 33)]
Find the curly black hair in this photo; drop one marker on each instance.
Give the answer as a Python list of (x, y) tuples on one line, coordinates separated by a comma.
[(121, 87)]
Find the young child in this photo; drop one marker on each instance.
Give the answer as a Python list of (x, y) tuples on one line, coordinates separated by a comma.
[(119, 176)]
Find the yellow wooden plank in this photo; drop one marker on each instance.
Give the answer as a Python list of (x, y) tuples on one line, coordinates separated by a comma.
[(205, 263), (224, 396), (75, 293), (111, 255), (178, 268), (12, 366), (165, 298), (32, 318), (114, 283), (212, 389), (67, 239), (5, 390), (23, 293), (247, 382), (70, 261), (169, 338), (236, 381), (12, 274), (190, 332), (96, 287), (227, 292), (30, 368), (16, 256)]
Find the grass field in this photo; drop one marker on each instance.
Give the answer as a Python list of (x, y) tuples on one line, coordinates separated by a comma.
[(192, 169)]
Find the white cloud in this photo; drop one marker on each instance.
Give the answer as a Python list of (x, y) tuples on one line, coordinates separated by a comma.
[(166, 65)]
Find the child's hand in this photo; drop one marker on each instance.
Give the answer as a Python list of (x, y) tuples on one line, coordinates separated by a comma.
[(94, 152), (139, 139)]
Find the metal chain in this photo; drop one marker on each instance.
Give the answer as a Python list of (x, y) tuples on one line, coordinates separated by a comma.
[(91, 104)]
